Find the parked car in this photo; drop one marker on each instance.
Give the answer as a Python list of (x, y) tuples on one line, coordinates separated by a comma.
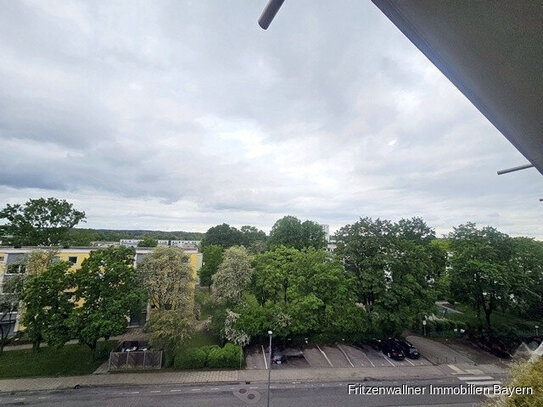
[(376, 344), (393, 350), (293, 353), (278, 357), (408, 349)]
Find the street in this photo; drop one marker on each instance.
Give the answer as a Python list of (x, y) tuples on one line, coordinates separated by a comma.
[(315, 394)]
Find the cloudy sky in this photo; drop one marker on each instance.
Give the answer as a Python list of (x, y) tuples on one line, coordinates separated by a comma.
[(179, 115)]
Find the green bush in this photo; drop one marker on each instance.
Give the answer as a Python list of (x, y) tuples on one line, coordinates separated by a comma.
[(190, 359), (224, 358)]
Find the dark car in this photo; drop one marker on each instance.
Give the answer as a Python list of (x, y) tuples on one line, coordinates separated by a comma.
[(376, 344), (278, 357), (293, 353), (393, 350), (408, 349)]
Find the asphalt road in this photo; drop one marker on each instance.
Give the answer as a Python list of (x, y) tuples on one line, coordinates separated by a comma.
[(291, 394)]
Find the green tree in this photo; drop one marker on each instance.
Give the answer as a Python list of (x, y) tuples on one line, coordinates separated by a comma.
[(47, 305), (169, 280), (254, 239), (528, 258), (289, 231), (10, 298), (483, 273), (148, 242), (39, 221), (108, 290), (212, 259), (233, 277), (392, 267), (223, 235), (169, 329)]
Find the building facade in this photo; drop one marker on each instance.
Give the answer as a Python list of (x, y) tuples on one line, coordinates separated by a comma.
[(12, 261)]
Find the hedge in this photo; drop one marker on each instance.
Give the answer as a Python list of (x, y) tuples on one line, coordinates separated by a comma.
[(212, 356), (190, 359)]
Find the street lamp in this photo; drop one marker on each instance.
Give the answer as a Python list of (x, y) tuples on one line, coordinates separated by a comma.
[(537, 330), (424, 326), (270, 333)]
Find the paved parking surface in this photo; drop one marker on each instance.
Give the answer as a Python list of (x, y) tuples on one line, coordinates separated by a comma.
[(340, 355), (315, 357)]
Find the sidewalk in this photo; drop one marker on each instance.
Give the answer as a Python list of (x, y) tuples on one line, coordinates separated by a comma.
[(219, 376)]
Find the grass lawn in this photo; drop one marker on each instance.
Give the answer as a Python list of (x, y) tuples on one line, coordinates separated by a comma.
[(498, 320), (70, 360), (201, 338)]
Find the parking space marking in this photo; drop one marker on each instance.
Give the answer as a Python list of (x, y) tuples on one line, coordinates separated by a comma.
[(369, 360), (475, 377), (345, 354), (387, 359), (326, 357), (411, 363), (264, 356), (456, 369)]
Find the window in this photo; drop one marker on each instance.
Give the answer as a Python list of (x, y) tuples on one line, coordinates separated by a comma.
[(1, 258), (16, 269), (72, 259)]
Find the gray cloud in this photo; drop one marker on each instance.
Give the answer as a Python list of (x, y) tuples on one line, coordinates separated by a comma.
[(181, 115)]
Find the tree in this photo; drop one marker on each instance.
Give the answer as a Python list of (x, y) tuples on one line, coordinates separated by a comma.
[(233, 277), (482, 272), (10, 299), (37, 261), (107, 290), (289, 231), (212, 259), (392, 266), (169, 329), (148, 242), (47, 305), (169, 280), (528, 257), (254, 239), (39, 221), (223, 235)]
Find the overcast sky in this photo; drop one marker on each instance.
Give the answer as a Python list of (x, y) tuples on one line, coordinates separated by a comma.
[(179, 115)]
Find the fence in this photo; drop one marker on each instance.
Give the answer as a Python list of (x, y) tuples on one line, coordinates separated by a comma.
[(135, 360)]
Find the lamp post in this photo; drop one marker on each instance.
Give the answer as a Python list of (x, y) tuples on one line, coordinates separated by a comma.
[(537, 330), (270, 333), (424, 326)]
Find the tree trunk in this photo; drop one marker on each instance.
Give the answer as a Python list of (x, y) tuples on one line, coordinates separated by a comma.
[(36, 345)]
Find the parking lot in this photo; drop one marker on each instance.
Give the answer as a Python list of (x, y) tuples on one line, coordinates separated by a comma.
[(330, 356)]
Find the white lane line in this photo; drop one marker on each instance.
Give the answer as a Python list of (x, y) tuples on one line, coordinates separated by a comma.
[(132, 392), (475, 377), (195, 389), (456, 370), (214, 388), (264, 356), (489, 382), (174, 390), (253, 387), (369, 360), (345, 354), (387, 359), (411, 363), (326, 357), (156, 391)]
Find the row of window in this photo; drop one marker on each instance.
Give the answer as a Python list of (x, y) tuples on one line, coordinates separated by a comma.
[(21, 268)]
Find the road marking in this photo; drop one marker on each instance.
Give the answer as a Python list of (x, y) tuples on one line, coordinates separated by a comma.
[(195, 389), (326, 357), (486, 383), (369, 360), (387, 359), (345, 354), (264, 356), (132, 392), (411, 363), (156, 391), (457, 370), (214, 388), (475, 377), (474, 371), (173, 390)]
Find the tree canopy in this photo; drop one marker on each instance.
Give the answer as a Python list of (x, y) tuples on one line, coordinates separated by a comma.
[(289, 231), (40, 221)]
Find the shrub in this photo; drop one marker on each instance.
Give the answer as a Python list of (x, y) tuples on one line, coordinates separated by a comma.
[(194, 358)]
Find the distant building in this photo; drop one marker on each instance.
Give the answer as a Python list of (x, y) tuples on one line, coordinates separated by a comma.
[(130, 242), (12, 260), (162, 243), (330, 240)]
